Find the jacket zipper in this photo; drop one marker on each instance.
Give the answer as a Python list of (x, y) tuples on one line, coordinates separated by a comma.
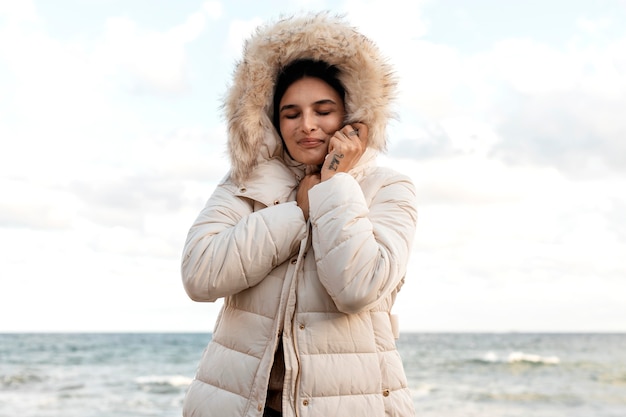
[(295, 326)]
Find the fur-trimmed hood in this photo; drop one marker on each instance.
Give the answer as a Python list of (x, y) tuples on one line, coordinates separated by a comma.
[(366, 75)]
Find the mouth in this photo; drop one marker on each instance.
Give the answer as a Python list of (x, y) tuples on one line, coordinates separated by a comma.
[(311, 142)]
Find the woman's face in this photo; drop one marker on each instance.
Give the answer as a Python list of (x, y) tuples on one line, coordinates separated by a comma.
[(310, 112)]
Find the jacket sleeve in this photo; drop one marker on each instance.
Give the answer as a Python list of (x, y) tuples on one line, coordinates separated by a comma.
[(230, 248), (362, 252)]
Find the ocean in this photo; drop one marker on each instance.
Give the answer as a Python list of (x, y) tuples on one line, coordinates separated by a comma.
[(450, 375)]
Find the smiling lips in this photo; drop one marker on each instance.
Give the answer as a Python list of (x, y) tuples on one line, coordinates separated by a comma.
[(310, 142)]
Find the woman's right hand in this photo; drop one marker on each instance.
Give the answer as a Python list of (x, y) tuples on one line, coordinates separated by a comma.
[(302, 197), (345, 149)]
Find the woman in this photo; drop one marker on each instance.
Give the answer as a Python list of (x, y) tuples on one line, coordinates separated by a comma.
[(306, 239)]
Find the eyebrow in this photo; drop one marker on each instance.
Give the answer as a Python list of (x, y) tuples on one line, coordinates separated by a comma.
[(317, 103)]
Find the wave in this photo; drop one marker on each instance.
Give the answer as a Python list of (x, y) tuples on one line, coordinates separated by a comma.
[(422, 390), (530, 397), (515, 357), (163, 383), (519, 357), (20, 379)]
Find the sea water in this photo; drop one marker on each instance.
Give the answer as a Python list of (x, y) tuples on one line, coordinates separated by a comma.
[(450, 375)]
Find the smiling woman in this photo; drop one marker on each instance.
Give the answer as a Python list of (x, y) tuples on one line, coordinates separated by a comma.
[(307, 239)]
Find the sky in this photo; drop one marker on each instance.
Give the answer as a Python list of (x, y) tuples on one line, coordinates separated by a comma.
[(510, 123)]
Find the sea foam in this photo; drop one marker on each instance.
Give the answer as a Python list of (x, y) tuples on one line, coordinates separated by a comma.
[(170, 380), (521, 357), (515, 357)]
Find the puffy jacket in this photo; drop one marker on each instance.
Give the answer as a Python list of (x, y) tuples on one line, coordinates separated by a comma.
[(324, 288)]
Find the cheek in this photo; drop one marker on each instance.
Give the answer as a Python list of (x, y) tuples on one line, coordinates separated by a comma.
[(285, 128), (287, 137), (334, 125)]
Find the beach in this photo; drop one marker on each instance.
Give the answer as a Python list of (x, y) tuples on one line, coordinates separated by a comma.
[(449, 374)]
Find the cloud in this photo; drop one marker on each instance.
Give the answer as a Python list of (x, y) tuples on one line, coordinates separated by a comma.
[(59, 112), (580, 133), (44, 73), (146, 61), (238, 31), (161, 186), (29, 206), (493, 221), (152, 62), (522, 100), (19, 11), (124, 202), (213, 9), (185, 154), (562, 107), (514, 150), (407, 18)]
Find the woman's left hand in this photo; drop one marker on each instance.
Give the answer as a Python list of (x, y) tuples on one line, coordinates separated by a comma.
[(345, 149), (302, 196)]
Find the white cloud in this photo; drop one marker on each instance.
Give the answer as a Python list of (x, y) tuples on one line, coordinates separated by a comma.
[(429, 75), (80, 289), (494, 239), (522, 100), (593, 26), (48, 75), (31, 205), (147, 61), (103, 184), (58, 107), (187, 153), (18, 11), (531, 67), (238, 32), (406, 18), (213, 9)]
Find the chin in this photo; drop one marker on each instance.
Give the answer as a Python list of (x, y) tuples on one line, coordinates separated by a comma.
[(314, 161)]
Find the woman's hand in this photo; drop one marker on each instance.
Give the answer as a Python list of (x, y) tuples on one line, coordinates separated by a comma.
[(302, 196), (344, 150)]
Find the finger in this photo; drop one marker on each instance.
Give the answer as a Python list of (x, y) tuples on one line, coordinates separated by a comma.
[(353, 132), (334, 142), (361, 127), (349, 131), (352, 138), (363, 132)]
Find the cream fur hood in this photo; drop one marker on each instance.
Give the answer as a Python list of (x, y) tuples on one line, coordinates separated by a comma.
[(366, 75)]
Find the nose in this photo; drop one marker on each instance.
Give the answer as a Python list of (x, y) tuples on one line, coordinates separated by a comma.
[(309, 122)]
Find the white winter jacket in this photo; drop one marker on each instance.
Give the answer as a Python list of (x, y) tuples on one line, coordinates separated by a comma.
[(323, 288)]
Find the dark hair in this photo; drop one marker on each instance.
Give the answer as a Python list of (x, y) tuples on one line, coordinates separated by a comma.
[(300, 69)]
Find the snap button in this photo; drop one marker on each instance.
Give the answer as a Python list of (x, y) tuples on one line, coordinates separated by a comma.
[(294, 261), (243, 189), (276, 202), (305, 402), (301, 326), (260, 407), (386, 393)]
